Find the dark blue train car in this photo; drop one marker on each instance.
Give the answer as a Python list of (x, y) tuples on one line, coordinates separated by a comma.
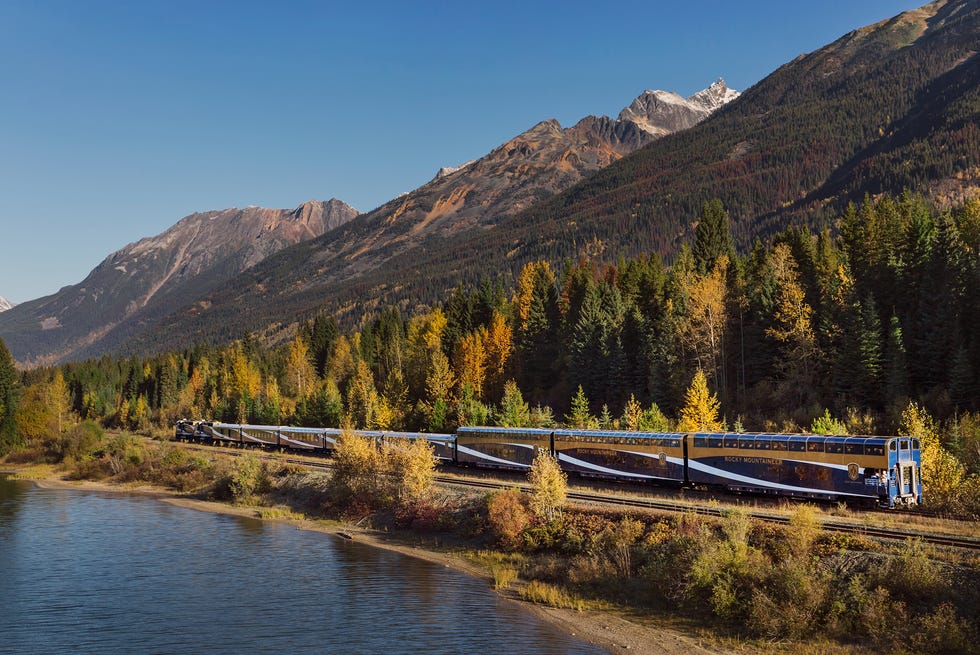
[(502, 448), (443, 445), (875, 469), (621, 455)]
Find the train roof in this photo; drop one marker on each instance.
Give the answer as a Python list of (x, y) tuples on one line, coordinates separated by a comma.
[(498, 429), (782, 436), (619, 434)]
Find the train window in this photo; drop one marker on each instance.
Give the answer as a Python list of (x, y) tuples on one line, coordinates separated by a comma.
[(797, 446), (915, 444), (833, 447), (762, 444), (814, 446), (893, 446), (778, 445), (716, 442), (905, 444), (746, 443), (853, 449), (874, 450), (731, 441)]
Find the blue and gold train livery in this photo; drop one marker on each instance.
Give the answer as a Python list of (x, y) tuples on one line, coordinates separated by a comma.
[(883, 470)]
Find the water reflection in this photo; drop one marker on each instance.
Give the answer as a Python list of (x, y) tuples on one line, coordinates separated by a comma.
[(94, 573)]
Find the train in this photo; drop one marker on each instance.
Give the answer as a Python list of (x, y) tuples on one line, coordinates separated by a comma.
[(882, 471)]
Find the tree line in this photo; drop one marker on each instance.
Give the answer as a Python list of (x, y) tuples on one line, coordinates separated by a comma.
[(846, 328)]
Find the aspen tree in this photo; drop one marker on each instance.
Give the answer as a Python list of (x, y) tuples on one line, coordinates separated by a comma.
[(549, 486)]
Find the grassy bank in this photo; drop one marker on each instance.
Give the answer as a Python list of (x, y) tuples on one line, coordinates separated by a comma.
[(752, 586)]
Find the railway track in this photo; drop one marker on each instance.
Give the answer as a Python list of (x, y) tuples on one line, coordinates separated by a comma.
[(591, 497)]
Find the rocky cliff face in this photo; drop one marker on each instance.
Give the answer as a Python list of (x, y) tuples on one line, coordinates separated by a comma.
[(5, 304), (158, 274), (663, 112)]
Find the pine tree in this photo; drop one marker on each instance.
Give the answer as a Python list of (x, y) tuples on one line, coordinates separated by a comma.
[(713, 238), (514, 412), (579, 416), (8, 399), (896, 364)]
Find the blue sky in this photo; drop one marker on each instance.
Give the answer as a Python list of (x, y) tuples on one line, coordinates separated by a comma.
[(119, 118)]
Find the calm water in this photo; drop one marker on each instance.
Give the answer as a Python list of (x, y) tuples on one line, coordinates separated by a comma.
[(84, 572)]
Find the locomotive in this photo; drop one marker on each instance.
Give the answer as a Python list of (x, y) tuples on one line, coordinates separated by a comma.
[(886, 471)]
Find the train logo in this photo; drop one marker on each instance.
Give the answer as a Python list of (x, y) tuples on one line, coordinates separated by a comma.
[(663, 458), (853, 470)]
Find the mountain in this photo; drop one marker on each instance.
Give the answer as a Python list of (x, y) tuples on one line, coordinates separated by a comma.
[(663, 112), (532, 166), (158, 275), (5, 304), (887, 107)]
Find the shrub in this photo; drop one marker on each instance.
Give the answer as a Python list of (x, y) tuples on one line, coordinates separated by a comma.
[(80, 442), (247, 478), (507, 517), (789, 601)]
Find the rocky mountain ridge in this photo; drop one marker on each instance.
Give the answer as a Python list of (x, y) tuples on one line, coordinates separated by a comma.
[(5, 304), (158, 274), (534, 165), (662, 112)]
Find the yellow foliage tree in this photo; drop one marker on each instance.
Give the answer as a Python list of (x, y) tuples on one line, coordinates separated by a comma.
[(59, 401), (702, 331), (413, 467), (300, 376), (498, 348), (32, 415), (942, 474), (470, 361), (793, 319), (362, 397), (700, 411), (549, 486)]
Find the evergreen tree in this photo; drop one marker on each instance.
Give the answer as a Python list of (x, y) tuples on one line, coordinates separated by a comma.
[(579, 416), (514, 412), (869, 354), (713, 237), (896, 364), (323, 337), (8, 399)]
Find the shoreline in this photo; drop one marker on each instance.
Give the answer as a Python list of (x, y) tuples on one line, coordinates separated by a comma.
[(606, 630)]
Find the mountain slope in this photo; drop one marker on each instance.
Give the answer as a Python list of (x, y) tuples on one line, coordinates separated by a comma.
[(887, 106), (157, 275), (513, 177), (5, 304), (475, 196)]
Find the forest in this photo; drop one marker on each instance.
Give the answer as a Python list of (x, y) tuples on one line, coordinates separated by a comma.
[(834, 332)]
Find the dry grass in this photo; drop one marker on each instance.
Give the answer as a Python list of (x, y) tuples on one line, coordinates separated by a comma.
[(34, 472), (543, 593)]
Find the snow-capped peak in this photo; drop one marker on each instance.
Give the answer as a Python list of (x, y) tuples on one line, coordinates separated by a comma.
[(714, 96), (662, 112), (5, 304)]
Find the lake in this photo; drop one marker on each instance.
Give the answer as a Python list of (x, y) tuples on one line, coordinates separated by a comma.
[(89, 572)]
